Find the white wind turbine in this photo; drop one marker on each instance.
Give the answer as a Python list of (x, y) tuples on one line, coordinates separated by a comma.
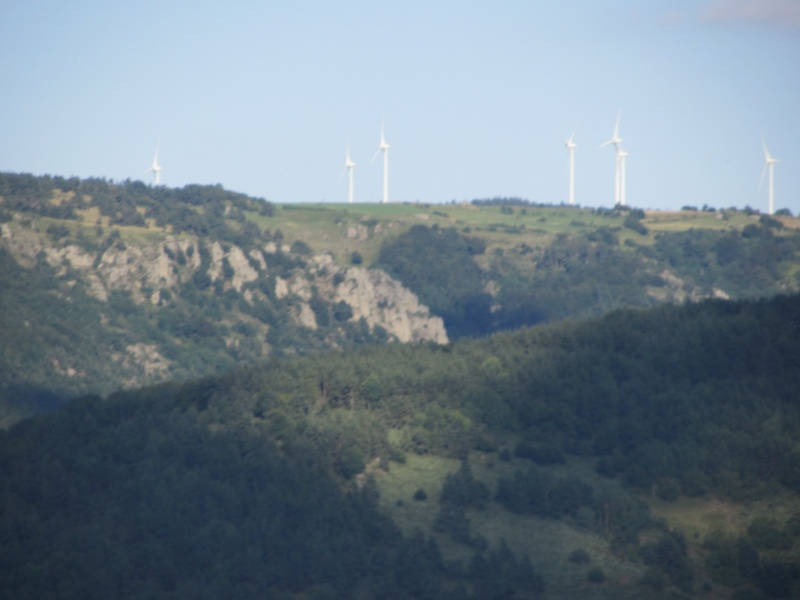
[(350, 166), (155, 169), (384, 147), (619, 184), (571, 149), (769, 164)]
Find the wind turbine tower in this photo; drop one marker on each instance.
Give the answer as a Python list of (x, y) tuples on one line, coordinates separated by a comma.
[(621, 156), (384, 147), (155, 169), (571, 149), (619, 184), (769, 164), (350, 166)]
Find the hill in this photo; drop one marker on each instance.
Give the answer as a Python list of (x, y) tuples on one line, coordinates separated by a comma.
[(642, 454), (115, 285)]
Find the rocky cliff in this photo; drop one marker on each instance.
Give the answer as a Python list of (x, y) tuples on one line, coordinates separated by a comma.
[(159, 306)]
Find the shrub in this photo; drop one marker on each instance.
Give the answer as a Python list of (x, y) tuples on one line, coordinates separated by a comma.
[(766, 533), (669, 490), (342, 311), (301, 248), (654, 578), (605, 467), (420, 495), (463, 490), (542, 454), (351, 462), (57, 232), (579, 556), (596, 575), (452, 520)]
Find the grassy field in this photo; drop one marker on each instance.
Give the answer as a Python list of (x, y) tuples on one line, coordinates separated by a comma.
[(548, 543), (341, 229), (344, 228)]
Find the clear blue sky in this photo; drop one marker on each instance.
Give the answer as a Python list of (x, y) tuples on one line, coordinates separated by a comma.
[(477, 97)]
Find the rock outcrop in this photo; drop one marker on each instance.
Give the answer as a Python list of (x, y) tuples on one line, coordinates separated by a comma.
[(371, 294), (159, 269)]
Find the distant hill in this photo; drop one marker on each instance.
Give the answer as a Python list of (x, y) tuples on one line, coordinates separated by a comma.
[(109, 285), (643, 454)]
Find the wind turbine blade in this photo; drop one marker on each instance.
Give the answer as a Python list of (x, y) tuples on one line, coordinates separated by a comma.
[(763, 172), (767, 157), (374, 156)]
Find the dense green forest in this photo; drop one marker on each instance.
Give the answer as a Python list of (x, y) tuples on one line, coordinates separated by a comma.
[(282, 480), (639, 442)]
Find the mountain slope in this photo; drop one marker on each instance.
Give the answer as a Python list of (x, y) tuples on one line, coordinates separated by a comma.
[(110, 286), (496, 448), (113, 285)]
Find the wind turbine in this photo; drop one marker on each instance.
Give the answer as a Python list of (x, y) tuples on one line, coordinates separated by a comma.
[(350, 166), (769, 164), (571, 149), (384, 147), (621, 156), (155, 169), (620, 160)]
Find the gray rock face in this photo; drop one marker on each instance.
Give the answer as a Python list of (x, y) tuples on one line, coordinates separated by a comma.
[(371, 294), (149, 269)]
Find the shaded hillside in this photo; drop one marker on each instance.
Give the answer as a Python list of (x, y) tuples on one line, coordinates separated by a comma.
[(574, 428)]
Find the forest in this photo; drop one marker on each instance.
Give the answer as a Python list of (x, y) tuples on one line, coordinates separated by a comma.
[(487, 266), (614, 416), (273, 480)]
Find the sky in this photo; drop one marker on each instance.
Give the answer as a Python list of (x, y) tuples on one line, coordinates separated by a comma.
[(476, 98)]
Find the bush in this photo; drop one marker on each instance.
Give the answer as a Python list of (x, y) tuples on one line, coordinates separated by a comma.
[(766, 533), (654, 578), (749, 593), (669, 490), (633, 222), (452, 521), (342, 311), (542, 454), (57, 232), (301, 248), (463, 490), (596, 575), (605, 467), (351, 462), (579, 556), (420, 495)]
